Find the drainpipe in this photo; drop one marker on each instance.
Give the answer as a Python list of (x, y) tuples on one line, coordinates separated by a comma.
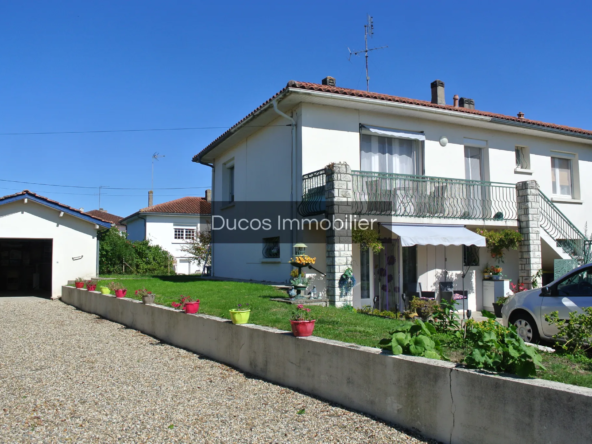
[(292, 166), (211, 165)]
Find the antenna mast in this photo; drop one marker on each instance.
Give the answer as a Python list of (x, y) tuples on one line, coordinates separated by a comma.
[(368, 31), (155, 156)]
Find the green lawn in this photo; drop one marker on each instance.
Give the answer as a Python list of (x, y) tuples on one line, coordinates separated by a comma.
[(218, 297)]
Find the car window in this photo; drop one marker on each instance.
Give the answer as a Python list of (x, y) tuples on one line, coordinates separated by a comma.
[(579, 284)]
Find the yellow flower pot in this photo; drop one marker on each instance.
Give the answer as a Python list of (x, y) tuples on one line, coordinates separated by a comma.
[(105, 290), (240, 317)]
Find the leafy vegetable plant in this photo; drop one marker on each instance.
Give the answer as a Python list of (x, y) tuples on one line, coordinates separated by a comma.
[(576, 331), (414, 339)]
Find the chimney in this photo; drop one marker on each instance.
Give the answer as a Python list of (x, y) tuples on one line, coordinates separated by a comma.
[(208, 195), (329, 81), (438, 92), (521, 115), (150, 198), (455, 98), (467, 103)]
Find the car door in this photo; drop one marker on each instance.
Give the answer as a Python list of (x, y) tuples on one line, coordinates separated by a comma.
[(571, 293)]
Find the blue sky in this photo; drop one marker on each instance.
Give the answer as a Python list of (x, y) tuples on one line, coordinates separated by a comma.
[(113, 65)]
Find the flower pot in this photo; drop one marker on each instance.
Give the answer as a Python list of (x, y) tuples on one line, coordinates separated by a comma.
[(497, 277), (79, 284), (148, 299), (120, 293), (105, 290), (92, 287), (497, 309), (191, 307), (486, 275), (240, 316), (302, 328)]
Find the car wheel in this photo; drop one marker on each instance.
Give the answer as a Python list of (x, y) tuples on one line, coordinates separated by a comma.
[(525, 327)]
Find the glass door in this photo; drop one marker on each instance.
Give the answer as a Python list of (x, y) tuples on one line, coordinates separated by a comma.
[(474, 193)]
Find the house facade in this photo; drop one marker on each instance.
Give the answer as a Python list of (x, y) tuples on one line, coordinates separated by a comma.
[(172, 225), (43, 244), (410, 166)]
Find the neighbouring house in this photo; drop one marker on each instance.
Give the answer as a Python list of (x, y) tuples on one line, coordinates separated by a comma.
[(115, 220), (43, 244), (429, 173), (172, 225)]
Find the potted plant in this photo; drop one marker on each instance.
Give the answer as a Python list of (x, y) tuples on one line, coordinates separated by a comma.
[(240, 315), (147, 296), (300, 283), (496, 273), (497, 306), (302, 324), (487, 272), (79, 283), (423, 307), (117, 288), (105, 290), (91, 285), (499, 240), (187, 304)]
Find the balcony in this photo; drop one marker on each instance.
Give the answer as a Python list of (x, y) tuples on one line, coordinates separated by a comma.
[(403, 195)]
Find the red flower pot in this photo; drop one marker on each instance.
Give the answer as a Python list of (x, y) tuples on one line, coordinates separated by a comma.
[(91, 287), (302, 328), (120, 293), (191, 307), (79, 284)]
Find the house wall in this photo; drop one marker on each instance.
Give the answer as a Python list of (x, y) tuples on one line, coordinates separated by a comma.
[(262, 173), (72, 238), (136, 229)]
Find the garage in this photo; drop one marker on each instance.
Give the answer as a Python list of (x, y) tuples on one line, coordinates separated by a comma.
[(43, 244)]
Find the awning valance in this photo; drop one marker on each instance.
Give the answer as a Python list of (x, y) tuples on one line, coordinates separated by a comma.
[(385, 132), (416, 234)]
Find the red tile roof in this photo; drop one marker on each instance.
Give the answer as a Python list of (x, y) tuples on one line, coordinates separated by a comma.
[(184, 205), (27, 192), (102, 214), (294, 85)]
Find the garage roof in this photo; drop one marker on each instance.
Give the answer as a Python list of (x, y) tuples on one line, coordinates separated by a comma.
[(26, 194)]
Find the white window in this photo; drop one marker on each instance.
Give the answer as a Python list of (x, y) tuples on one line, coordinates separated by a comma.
[(184, 233), (561, 174), (473, 163), (522, 158), (228, 185), (390, 155)]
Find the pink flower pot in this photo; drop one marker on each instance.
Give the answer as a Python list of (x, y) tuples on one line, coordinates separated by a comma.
[(191, 307), (120, 293), (79, 284), (91, 287), (302, 328)]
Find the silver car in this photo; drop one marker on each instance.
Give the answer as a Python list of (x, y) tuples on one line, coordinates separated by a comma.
[(526, 310)]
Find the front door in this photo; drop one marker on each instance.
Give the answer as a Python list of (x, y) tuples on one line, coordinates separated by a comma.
[(570, 294)]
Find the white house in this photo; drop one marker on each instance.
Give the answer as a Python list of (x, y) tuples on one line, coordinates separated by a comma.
[(416, 167), (172, 225), (43, 244)]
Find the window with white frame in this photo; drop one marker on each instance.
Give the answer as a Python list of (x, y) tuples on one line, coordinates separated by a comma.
[(184, 233), (522, 158), (562, 176), (391, 151), (228, 182)]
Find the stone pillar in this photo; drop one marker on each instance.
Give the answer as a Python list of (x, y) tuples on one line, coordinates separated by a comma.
[(529, 212), (338, 197)]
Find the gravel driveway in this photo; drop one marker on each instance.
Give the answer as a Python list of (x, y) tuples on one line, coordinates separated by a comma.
[(69, 376)]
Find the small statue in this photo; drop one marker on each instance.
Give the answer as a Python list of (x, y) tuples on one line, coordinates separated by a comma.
[(292, 292), (313, 292)]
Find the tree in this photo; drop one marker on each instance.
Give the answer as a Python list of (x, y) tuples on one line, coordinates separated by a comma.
[(199, 248)]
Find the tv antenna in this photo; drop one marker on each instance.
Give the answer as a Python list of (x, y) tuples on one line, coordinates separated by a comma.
[(155, 156), (368, 31)]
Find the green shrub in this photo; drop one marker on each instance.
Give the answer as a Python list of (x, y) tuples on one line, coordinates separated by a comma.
[(117, 255), (491, 346), (413, 339), (576, 331)]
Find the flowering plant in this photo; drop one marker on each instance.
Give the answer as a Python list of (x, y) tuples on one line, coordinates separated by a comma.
[(79, 280), (301, 314), (241, 307), (303, 260), (90, 283), (184, 300), (115, 286), (299, 281), (142, 292), (517, 288), (496, 270)]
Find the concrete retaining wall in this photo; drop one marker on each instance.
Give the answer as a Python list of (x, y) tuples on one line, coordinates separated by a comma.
[(433, 397)]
